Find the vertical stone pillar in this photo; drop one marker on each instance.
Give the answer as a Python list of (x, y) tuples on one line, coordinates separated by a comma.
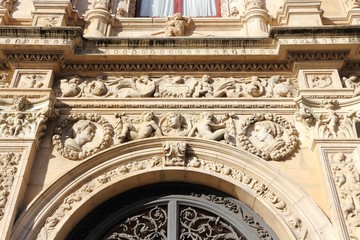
[(98, 19), (256, 18), (26, 106)]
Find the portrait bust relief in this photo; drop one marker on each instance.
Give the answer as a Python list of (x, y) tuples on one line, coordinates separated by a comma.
[(175, 124), (268, 136), (74, 137)]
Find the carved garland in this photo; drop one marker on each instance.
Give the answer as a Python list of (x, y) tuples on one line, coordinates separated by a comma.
[(260, 189), (79, 155), (276, 153)]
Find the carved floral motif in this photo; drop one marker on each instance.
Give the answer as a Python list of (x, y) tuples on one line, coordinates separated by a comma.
[(347, 181), (170, 86), (268, 136), (8, 168), (74, 137), (174, 153), (256, 186)]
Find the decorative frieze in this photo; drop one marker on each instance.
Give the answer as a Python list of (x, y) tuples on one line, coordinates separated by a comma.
[(170, 86)]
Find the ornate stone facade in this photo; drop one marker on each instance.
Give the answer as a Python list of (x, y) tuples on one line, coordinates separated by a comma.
[(258, 99)]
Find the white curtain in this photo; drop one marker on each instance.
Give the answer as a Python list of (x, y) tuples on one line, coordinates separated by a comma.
[(157, 8), (199, 8)]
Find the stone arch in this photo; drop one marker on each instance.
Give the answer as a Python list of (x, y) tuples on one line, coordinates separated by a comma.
[(246, 177)]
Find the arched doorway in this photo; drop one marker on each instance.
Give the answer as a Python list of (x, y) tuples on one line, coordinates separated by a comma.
[(174, 211)]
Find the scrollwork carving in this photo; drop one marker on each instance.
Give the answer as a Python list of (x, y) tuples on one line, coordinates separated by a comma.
[(72, 135), (268, 136)]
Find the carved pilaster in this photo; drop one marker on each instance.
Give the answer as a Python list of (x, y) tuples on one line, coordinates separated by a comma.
[(341, 164)]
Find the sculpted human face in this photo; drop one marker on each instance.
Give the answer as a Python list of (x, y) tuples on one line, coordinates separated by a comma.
[(86, 135), (261, 132), (174, 120), (148, 116)]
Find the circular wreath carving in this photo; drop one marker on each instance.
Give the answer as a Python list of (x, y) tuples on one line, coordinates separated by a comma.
[(97, 122), (255, 130)]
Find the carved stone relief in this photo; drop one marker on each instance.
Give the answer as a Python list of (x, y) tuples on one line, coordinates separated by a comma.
[(8, 168), (268, 136), (175, 124), (48, 21), (346, 176), (7, 4), (75, 199), (320, 81), (144, 126), (209, 127), (174, 153), (4, 82), (178, 25), (23, 124), (170, 86), (352, 82), (74, 138), (352, 3)]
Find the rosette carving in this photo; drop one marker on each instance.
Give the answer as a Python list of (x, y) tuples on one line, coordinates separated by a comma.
[(268, 136), (74, 138)]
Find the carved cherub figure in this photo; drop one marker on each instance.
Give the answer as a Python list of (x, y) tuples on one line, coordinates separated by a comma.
[(204, 88), (145, 129), (208, 129), (70, 87), (177, 25), (255, 87), (174, 124)]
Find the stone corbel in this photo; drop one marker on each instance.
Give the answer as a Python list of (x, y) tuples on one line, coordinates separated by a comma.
[(300, 13), (51, 13)]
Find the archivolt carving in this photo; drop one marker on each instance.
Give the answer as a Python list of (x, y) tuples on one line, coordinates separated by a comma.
[(74, 137), (176, 87), (75, 199), (347, 180), (8, 168), (268, 136)]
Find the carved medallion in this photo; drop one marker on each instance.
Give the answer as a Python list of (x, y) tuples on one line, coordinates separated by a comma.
[(175, 124), (74, 138), (268, 136)]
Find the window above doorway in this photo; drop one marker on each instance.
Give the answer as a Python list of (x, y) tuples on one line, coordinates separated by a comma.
[(189, 8)]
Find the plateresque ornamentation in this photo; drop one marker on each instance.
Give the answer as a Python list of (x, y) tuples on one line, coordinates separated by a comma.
[(268, 136), (74, 137)]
